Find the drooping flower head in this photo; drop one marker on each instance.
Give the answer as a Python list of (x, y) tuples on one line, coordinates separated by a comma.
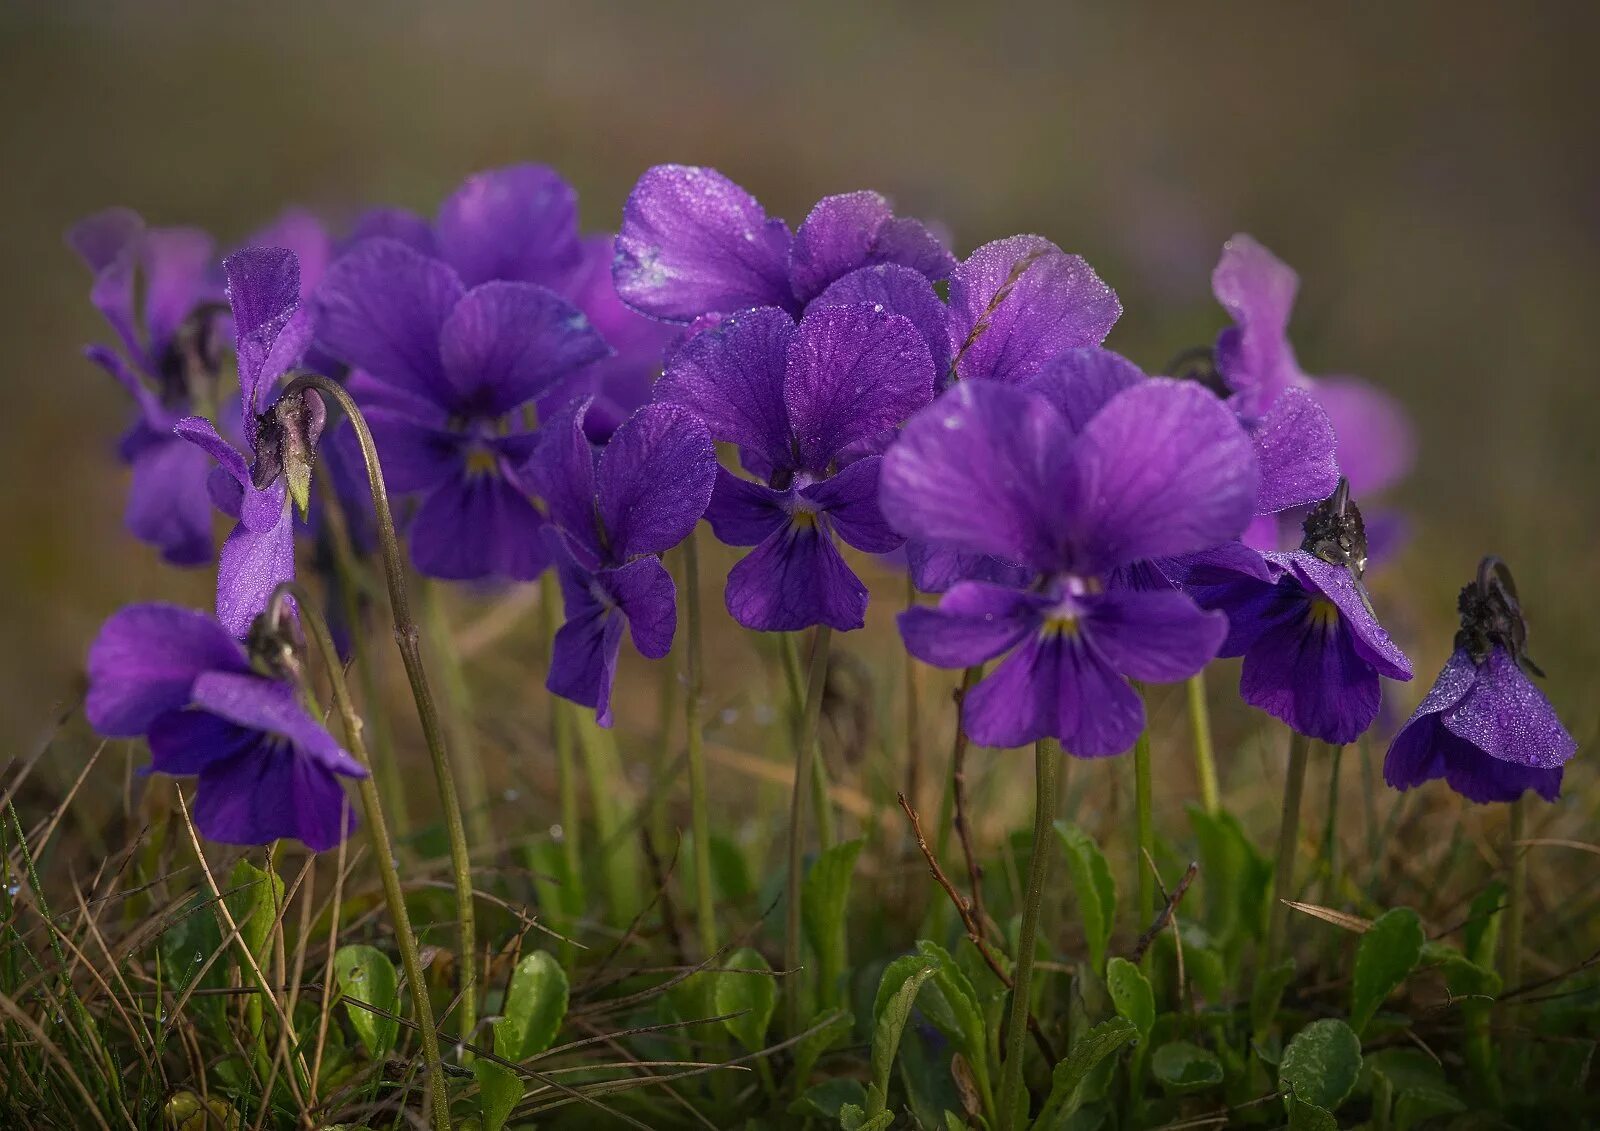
[(272, 332), (181, 680), (168, 363), (796, 398), (1070, 485), (1485, 727), (693, 243), (448, 371), (1313, 648), (616, 511)]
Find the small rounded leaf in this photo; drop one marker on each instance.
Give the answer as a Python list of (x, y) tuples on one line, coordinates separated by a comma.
[(1321, 1063), (365, 974), (1184, 1067), (1131, 994), (751, 996), (536, 1004)]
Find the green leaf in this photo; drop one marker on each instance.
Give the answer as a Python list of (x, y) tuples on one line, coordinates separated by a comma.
[(751, 996), (1481, 933), (730, 871), (1462, 977), (829, 1098), (1386, 954), (955, 990), (1131, 994), (1309, 1117), (821, 1037), (253, 899), (1184, 1067), (823, 899), (1066, 1082), (1321, 1063), (499, 1091), (536, 1004), (1266, 994), (891, 1022), (1094, 887), (1233, 874), (365, 974)]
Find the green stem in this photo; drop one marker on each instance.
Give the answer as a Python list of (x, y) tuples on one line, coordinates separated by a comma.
[(1516, 898), (1142, 789), (460, 714), (699, 805), (1294, 784), (562, 738), (408, 640), (1205, 763), (1330, 832), (804, 746), (378, 834), (913, 714), (1047, 757), (958, 745)]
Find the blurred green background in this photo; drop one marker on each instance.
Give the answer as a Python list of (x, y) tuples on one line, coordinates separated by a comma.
[(1431, 170)]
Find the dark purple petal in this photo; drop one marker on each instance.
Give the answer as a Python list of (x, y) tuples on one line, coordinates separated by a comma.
[(203, 434), (1257, 290), (852, 372), (1305, 671), (144, 663), (793, 580), (1418, 751), (273, 707), (395, 224), (1509, 718), (169, 506), (516, 223), (303, 233), (1163, 469), (1018, 302), (187, 741), (255, 560), (742, 513), (982, 470), (898, 290), (1253, 605), (505, 343), (177, 262), (416, 455), (264, 294), (731, 376), (1157, 636), (382, 308), (643, 590), (934, 570), (858, 229), (1376, 443), (974, 622), (476, 526), (1337, 585), (693, 242), (1054, 686), (562, 473), (1080, 382), (850, 502), (1296, 454), (270, 794), (583, 658), (655, 480)]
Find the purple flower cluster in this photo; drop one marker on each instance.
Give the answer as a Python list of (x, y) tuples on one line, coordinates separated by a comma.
[(541, 398)]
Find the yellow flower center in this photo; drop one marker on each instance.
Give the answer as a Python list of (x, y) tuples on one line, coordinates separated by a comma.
[(481, 460), (1323, 613), (1060, 625)]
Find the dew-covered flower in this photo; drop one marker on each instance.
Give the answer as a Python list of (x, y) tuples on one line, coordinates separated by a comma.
[(266, 769), (693, 243), (616, 511), (167, 362), (272, 332), (1313, 648), (447, 374), (1013, 473), (796, 399), (1485, 727)]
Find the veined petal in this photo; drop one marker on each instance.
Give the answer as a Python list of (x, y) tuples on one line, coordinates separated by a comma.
[(273, 707), (1257, 289), (793, 580), (898, 290), (1080, 382), (518, 223), (187, 741), (1157, 636), (693, 242), (850, 502), (742, 513), (1296, 454), (974, 622), (254, 562), (264, 293), (655, 480), (935, 570), (643, 590), (416, 454), (1507, 717), (563, 475), (731, 375), (1305, 671), (1054, 686), (1367, 635), (144, 663), (169, 506), (478, 526), (504, 344), (272, 794), (858, 229)]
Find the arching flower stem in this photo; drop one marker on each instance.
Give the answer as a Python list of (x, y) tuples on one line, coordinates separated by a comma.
[(804, 751)]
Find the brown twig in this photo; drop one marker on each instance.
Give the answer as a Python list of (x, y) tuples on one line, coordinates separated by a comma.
[(958, 787), (1164, 916), (964, 908)]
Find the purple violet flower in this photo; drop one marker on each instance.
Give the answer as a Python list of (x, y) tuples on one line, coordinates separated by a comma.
[(166, 364), (694, 243), (266, 769), (1313, 648), (447, 372), (273, 332), (795, 399), (1485, 727), (1257, 361), (1161, 468), (616, 511)]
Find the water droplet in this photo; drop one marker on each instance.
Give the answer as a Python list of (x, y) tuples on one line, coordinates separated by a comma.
[(557, 832), (358, 975), (512, 794), (13, 889), (198, 958), (728, 716)]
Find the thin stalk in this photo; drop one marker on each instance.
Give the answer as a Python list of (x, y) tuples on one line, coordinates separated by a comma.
[(789, 649), (1330, 832), (958, 748), (378, 833), (1516, 899), (459, 714), (699, 805), (913, 714), (408, 640), (804, 745), (562, 737), (1142, 789), (1294, 785), (1046, 756), (1205, 763)]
